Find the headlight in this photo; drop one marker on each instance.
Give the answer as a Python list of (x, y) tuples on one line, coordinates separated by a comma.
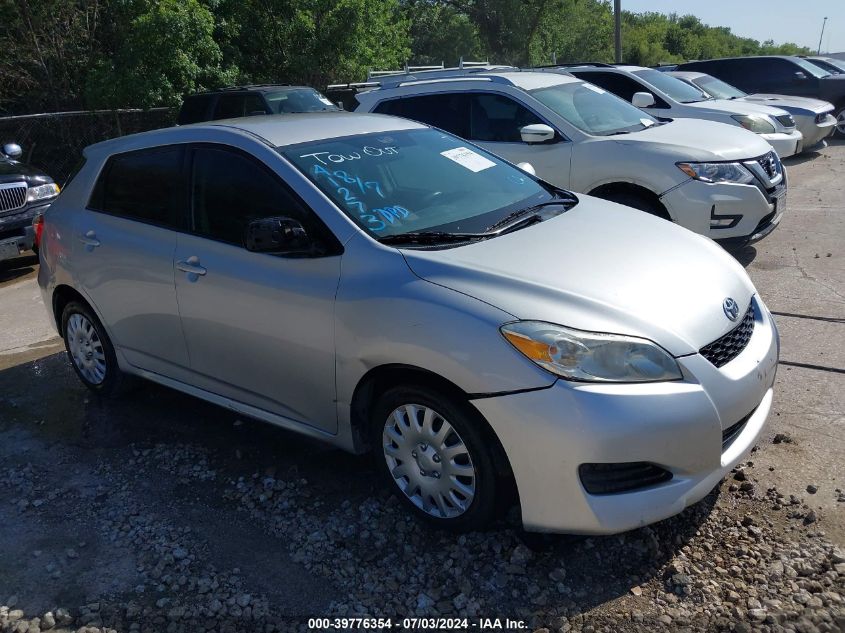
[(42, 192), (755, 123), (717, 172), (591, 356)]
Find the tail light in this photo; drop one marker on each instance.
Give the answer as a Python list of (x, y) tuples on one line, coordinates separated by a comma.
[(38, 225)]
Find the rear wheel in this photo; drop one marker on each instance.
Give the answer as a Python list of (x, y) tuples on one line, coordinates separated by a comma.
[(90, 350), (432, 453)]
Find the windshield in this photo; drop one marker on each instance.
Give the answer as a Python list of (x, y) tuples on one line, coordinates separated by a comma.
[(672, 87), (811, 69), (398, 182), (592, 109), (718, 88), (833, 66), (298, 100)]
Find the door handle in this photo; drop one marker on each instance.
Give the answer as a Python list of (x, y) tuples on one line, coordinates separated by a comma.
[(90, 240), (191, 266)]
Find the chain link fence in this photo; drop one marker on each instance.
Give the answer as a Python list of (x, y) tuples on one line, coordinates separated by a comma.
[(53, 142)]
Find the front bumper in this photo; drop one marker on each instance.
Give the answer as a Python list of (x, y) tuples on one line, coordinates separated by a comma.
[(695, 204), (785, 144), (16, 232), (678, 426), (815, 131)]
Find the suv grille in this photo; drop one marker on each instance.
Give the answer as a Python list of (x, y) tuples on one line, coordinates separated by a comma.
[(771, 165), (723, 350), (606, 479), (12, 196), (786, 120)]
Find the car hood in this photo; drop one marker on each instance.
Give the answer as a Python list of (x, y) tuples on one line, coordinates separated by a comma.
[(696, 139), (600, 267), (785, 101), (735, 106), (11, 170)]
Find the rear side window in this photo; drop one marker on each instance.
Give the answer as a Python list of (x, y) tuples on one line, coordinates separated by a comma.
[(447, 111), (194, 109), (146, 185), (239, 105)]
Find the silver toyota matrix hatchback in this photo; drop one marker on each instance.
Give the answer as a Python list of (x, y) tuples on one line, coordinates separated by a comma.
[(388, 287)]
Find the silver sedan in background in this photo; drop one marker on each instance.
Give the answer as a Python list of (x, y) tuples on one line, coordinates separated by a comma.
[(814, 118), (388, 287)]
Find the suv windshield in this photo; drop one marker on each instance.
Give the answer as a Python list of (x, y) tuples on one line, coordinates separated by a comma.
[(811, 69), (718, 88), (411, 181), (592, 109), (672, 87), (298, 100)]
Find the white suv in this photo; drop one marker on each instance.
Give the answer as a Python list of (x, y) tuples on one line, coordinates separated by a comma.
[(664, 96), (717, 180)]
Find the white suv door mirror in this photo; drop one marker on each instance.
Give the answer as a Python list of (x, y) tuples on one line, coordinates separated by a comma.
[(536, 133), (643, 100), (12, 150), (527, 168)]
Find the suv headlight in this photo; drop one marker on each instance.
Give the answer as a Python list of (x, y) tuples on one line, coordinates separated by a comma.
[(755, 123), (718, 172), (42, 192), (591, 356)]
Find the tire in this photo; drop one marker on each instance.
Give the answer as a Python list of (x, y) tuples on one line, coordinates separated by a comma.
[(636, 201), (410, 440), (91, 352), (840, 123)]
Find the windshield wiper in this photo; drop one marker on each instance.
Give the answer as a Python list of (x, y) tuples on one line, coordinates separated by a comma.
[(495, 228), (430, 237)]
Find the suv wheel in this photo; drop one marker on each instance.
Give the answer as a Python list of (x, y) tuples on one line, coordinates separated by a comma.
[(434, 458), (840, 123), (90, 351), (636, 201)]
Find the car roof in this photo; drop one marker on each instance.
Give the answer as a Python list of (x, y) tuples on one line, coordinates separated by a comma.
[(686, 74), (278, 131), (525, 79), (791, 58), (249, 88), (605, 68)]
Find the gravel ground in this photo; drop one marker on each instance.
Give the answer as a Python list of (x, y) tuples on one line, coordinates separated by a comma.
[(159, 512)]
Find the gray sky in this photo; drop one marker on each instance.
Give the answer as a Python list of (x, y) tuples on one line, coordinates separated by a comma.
[(779, 20)]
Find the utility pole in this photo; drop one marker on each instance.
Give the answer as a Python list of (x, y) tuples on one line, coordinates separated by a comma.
[(819, 51), (617, 17)]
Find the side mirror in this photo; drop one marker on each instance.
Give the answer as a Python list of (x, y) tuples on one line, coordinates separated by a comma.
[(277, 235), (537, 133), (643, 100), (527, 168), (12, 150), (800, 75)]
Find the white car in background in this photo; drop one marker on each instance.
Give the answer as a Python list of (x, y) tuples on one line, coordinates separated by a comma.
[(814, 118), (664, 96), (717, 180)]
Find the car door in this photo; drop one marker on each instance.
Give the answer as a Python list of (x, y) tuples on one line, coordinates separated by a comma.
[(495, 121), (123, 255), (259, 328)]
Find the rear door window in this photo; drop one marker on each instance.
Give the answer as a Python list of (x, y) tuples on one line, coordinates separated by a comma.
[(229, 106), (194, 109), (447, 111), (146, 185)]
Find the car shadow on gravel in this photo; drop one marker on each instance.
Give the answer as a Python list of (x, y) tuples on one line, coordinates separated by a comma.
[(17, 267), (304, 522)]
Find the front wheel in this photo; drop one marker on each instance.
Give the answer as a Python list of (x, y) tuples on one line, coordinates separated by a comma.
[(432, 453), (840, 123), (636, 201), (90, 350)]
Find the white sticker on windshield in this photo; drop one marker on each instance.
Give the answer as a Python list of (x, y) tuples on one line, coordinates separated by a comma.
[(594, 88), (469, 159), (646, 122)]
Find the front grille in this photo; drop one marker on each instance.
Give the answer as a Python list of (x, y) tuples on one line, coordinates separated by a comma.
[(771, 165), (723, 350), (12, 196), (766, 221), (606, 479), (786, 120)]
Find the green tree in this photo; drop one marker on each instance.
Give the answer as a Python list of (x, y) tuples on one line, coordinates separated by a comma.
[(440, 33)]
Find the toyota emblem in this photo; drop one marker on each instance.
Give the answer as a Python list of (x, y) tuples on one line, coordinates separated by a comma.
[(731, 309)]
